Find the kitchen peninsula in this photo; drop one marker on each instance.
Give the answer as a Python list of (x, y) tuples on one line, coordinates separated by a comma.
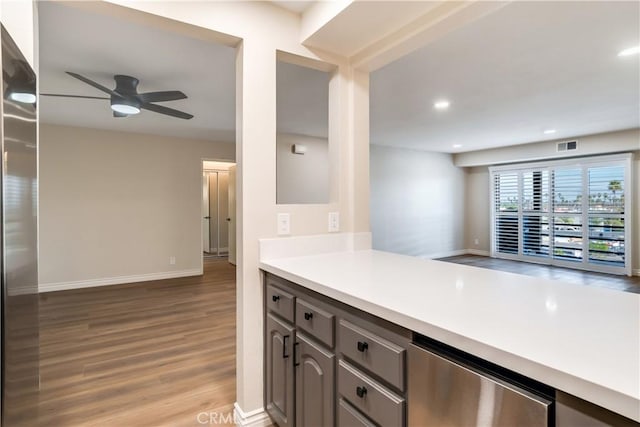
[(579, 340)]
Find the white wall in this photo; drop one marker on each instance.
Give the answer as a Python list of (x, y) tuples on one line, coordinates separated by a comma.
[(116, 205), (417, 202), (302, 178), (19, 18)]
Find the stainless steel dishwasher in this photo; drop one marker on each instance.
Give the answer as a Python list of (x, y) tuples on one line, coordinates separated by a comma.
[(448, 388)]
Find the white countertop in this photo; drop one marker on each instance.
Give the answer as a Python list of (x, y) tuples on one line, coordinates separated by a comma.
[(583, 340)]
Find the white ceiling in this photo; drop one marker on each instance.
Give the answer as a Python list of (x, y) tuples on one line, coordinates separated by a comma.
[(362, 23), (98, 47), (527, 67), (294, 6)]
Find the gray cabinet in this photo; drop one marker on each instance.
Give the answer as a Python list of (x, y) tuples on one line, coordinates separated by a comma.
[(279, 338), (372, 399), (309, 341), (379, 356), (348, 416), (314, 384), (574, 412)]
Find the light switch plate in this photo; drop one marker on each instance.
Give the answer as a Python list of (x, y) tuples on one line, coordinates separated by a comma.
[(334, 222), (284, 224)]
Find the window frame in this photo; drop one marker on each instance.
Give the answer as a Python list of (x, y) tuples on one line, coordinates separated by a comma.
[(584, 163)]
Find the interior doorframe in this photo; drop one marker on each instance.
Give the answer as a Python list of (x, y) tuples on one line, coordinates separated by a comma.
[(202, 172)]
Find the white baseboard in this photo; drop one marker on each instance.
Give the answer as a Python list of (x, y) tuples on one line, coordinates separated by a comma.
[(636, 272), (444, 254), (455, 253), (25, 290), (215, 250), (478, 252), (107, 281), (255, 418)]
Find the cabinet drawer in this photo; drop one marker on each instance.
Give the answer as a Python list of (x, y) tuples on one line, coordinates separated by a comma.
[(374, 400), (348, 416), (383, 358), (280, 302), (315, 321)]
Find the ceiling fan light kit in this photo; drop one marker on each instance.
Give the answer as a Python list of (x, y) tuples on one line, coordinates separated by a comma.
[(23, 97), (125, 99), (20, 85), (125, 106)]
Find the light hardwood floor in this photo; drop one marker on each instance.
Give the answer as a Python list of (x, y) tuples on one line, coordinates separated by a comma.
[(142, 354)]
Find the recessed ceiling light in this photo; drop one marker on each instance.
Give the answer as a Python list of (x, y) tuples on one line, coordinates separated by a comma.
[(629, 51), (457, 145), (549, 131), (441, 105)]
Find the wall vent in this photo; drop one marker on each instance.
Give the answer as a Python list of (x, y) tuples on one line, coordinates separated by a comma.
[(567, 146)]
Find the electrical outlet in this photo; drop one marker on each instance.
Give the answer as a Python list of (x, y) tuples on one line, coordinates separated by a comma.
[(172, 260), (476, 242), (334, 222), (284, 224)]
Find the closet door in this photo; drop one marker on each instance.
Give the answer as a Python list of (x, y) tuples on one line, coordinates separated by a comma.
[(206, 215), (223, 212), (213, 212)]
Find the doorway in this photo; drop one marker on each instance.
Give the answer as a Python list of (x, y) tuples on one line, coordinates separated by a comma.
[(218, 209)]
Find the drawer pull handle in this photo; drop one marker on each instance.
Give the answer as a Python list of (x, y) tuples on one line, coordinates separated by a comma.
[(362, 346), (295, 354), (285, 344), (361, 391), (308, 316), (275, 298)]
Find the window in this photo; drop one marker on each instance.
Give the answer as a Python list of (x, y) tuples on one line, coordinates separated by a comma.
[(571, 213)]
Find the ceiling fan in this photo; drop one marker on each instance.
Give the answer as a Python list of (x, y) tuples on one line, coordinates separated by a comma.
[(125, 99)]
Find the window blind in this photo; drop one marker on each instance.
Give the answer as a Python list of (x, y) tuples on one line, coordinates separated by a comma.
[(535, 217), (606, 215), (507, 206)]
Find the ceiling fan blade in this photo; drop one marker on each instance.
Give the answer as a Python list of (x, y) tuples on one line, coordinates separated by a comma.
[(94, 84), (73, 96), (168, 111), (168, 95)]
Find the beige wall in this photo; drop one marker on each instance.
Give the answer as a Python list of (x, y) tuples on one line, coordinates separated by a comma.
[(116, 204), (417, 202), (302, 178), (636, 214), (477, 210)]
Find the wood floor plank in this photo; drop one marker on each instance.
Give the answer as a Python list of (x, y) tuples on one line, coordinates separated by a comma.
[(142, 354), (588, 278)]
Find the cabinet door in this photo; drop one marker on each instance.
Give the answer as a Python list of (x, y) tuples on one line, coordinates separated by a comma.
[(314, 384), (279, 338)]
